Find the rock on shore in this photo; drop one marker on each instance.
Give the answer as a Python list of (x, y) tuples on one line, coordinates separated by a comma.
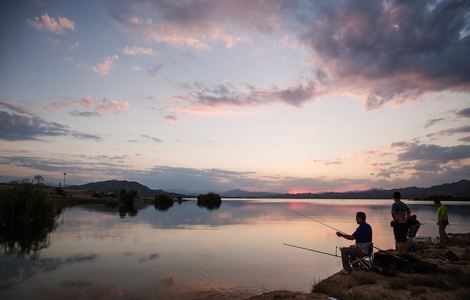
[(445, 275)]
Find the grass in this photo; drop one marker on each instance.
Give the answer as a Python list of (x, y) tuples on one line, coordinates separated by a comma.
[(355, 294), (326, 287), (442, 282), (364, 278)]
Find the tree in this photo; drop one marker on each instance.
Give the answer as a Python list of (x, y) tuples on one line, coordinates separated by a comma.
[(39, 179)]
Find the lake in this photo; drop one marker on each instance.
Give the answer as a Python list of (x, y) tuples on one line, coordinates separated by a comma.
[(191, 252)]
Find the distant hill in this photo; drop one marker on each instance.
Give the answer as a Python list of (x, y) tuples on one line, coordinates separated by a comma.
[(114, 186), (245, 194), (460, 189)]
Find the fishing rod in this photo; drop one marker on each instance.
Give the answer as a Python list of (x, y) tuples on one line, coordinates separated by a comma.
[(324, 224), (308, 249)]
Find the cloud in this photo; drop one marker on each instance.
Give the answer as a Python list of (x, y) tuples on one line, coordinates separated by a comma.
[(172, 118), (465, 139), (329, 162), (401, 144), (390, 50), (139, 51), (16, 107), (16, 127), (68, 103), (77, 113), (433, 121), (100, 108), (198, 24), (86, 136), (46, 23), (219, 180), (228, 94), (450, 131), (75, 166), (156, 140), (434, 153), (104, 67), (154, 70), (464, 113), (383, 51), (111, 106)]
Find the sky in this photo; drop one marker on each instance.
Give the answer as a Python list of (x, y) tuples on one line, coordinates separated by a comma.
[(261, 95)]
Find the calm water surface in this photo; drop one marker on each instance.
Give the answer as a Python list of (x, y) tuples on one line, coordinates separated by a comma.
[(188, 252)]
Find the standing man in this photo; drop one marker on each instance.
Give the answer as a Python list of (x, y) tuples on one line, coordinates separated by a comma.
[(400, 214), (442, 222), (363, 237)]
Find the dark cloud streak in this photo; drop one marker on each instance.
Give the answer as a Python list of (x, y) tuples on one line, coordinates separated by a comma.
[(16, 127)]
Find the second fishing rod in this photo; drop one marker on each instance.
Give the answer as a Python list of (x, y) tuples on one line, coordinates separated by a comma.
[(319, 222)]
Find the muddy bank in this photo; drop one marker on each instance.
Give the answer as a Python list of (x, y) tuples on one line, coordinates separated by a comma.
[(429, 273)]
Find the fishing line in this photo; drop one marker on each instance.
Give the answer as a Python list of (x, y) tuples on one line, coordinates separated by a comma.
[(324, 224)]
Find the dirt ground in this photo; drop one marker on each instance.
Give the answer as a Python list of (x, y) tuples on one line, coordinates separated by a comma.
[(450, 278)]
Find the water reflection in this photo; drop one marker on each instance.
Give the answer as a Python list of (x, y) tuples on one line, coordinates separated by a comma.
[(163, 202), (127, 209), (209, 205), (163, 205), (210, 201), (186, 252), (25, 239)]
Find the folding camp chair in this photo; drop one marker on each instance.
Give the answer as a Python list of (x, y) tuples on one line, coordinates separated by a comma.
[(365, 262)]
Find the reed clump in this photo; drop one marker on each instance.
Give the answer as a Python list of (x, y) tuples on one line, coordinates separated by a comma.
[(27, 216)]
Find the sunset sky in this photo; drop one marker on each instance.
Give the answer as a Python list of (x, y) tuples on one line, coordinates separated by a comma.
[(261, 95)]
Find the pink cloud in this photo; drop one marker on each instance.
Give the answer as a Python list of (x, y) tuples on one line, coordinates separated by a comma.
[(104, 67), (85, 102), (207, 23), (105, 106), (111, 106), (139, 51), (46, 23)]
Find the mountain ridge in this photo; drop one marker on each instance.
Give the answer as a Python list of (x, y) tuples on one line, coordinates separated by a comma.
[(114, 186), (459, 189)]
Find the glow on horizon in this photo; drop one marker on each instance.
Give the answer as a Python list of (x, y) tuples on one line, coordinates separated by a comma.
[(287, 98)]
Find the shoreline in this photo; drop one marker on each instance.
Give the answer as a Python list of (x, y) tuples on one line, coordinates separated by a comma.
[(444, 273)]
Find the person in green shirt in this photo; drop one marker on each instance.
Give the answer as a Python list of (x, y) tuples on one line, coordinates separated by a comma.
[(442, 221)]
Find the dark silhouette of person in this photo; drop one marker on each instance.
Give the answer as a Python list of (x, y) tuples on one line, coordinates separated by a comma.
[(363, 238), (400, 214)]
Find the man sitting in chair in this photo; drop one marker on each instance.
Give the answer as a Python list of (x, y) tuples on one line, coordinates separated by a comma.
[(363, 237)]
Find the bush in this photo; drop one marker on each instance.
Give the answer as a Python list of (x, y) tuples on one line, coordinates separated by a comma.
[(210, 201), (27, 216), (163, 202)]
